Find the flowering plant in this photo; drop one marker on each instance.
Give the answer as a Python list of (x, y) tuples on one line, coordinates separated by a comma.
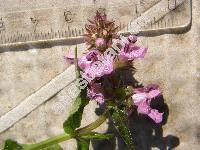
[(100, 77)]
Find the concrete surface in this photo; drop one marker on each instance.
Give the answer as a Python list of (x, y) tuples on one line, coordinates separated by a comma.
[(172, 62)]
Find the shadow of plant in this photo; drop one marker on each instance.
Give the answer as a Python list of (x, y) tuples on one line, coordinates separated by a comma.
[(146, 134)]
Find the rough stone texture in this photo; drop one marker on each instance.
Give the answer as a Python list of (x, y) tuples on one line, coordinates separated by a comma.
[(172, 62)]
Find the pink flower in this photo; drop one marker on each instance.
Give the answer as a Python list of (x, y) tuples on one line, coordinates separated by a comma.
[(85, 61), (142, 99), (116, 41), (132, 38), (99, 68), (156, 116), (69, 58), (94, 92), (131, 51), (144, 107), (107, 65), (100, 42)]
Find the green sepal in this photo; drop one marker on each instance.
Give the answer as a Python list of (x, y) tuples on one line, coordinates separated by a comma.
[(120, 93), (12, 145)]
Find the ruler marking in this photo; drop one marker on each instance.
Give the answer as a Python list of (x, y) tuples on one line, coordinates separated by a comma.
[(73, 31)]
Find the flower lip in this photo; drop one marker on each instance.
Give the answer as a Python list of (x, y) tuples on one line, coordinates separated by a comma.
[(85, 61), (142, 99), (92, 55), (99, 68), (130, 52), (139, 97), (156, 116)]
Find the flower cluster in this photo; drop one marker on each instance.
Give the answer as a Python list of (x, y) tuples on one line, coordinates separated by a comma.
[(107, 53)]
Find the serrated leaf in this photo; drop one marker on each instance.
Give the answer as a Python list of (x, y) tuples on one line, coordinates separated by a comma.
[(120, 121), (75, 117), (97, 136), (12, 145), (83, 144)]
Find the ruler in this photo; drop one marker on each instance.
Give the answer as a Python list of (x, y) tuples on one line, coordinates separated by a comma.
[(154, 24), (66, 24)]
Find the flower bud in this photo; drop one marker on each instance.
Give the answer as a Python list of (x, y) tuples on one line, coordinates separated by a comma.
[(100, 42)]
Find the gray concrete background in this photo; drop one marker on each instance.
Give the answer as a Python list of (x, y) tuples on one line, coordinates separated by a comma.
[(172, 62)]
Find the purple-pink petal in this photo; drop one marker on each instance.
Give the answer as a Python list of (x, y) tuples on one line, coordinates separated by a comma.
[(156, 116), (138, 52), (85, 61), (139, 97), (144, 108), (131, 52), (154, 93), (142, 98), (99, 68), (94, 92), (69, 58), (107, 67)]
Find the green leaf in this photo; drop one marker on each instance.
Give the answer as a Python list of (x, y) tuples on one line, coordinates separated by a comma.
[(120, 120), (12, 145), (97, 136), (83, 144), (53, 147), (75, 117)]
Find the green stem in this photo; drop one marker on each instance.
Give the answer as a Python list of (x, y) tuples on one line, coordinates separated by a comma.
[(76, 63), (48, 142), (65, 137), (92, 126)]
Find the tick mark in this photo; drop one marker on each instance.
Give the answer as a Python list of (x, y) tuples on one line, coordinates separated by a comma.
[(2, 25)]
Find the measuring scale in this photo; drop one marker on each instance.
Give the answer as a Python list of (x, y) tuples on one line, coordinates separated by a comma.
[(36, 23)]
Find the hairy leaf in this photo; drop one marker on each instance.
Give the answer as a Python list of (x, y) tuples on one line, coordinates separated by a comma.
[(120, 121), (12, 145), (74, 120)]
